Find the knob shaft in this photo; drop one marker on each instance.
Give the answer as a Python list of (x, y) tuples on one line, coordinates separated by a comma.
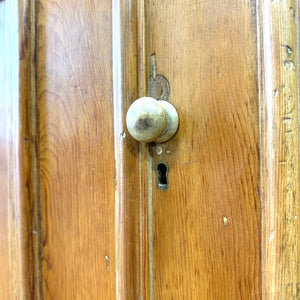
[(150, 120)]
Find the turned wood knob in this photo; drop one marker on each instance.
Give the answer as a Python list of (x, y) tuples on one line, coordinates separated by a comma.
[(150, 120)]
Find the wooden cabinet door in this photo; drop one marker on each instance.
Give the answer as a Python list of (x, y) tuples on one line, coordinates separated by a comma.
[(82, 212)]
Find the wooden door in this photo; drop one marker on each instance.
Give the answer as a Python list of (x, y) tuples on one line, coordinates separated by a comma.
[(82, 215)]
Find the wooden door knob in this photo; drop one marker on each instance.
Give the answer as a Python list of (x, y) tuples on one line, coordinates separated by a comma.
[(151, 120)]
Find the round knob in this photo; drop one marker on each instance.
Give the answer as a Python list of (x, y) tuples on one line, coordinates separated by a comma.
[(150, 120)]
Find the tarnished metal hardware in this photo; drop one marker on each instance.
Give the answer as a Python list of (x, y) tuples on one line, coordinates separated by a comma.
[(151, 120)]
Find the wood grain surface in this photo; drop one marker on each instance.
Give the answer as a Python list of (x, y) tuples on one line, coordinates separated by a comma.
[(80, 212), (77, 149), (279, 66), (17, 256), (207, 224), (131, 222)]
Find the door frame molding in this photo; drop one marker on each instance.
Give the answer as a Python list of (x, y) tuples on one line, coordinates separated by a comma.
[(278, 66)]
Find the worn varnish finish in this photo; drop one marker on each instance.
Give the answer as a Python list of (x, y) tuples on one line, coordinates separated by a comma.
[(77, 149), (227, 227), (207, 224), (131, 242), (17, 136), (279, 55)]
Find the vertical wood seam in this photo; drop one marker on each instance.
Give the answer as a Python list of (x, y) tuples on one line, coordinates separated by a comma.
[(35, 154), (118, 146), (145, 160)]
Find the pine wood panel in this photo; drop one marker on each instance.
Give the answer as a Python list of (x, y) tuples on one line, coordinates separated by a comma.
[(206, 226), (227, 227), (77, 149)]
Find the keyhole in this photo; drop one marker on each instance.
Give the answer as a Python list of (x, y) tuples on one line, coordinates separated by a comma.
[(162, 171)]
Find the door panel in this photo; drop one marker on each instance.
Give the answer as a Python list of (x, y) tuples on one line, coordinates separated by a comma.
[(206, 226), (77, 149), (82, 215)]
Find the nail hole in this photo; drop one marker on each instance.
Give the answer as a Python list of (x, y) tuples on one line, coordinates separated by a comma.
[(162, 171)]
